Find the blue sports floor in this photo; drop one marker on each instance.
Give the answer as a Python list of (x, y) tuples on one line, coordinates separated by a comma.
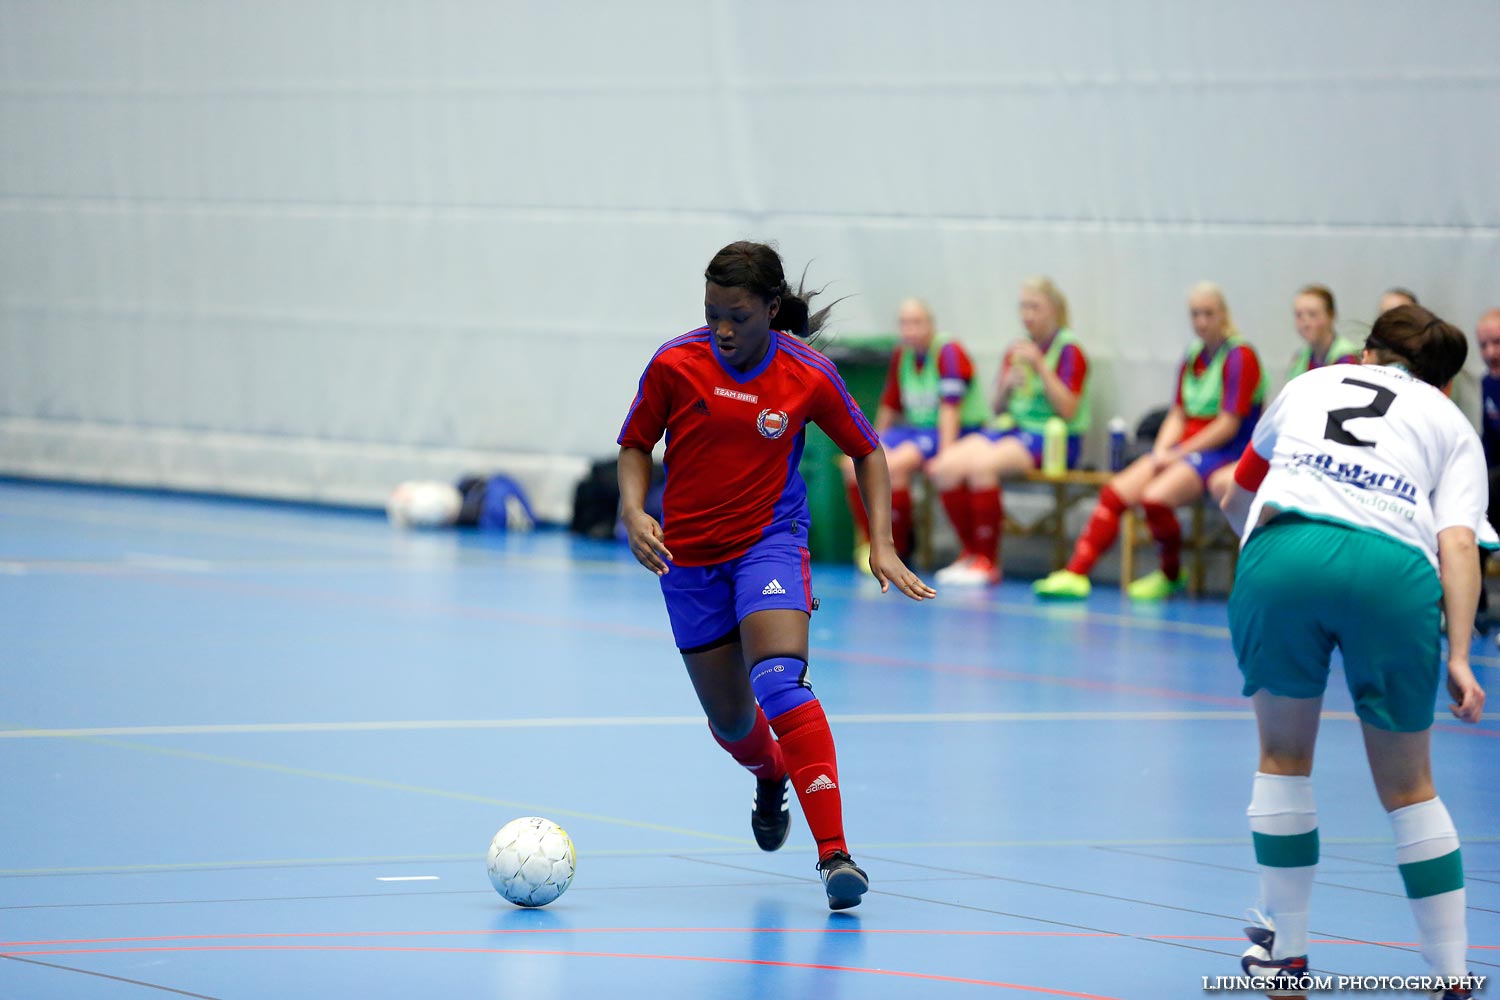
[(259, 751)]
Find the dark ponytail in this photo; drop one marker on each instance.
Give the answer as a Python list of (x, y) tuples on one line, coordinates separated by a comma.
[(1434, 351), (757, 268)]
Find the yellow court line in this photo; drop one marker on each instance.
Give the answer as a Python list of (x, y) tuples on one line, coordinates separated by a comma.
[(394, 786), (411, 859), (799, 849), (192, 866), (628, 721)]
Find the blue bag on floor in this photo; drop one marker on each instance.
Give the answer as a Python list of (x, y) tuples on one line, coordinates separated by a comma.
[(496, 503)]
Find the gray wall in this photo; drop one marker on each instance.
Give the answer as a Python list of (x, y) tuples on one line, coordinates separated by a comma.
[(311, 247)]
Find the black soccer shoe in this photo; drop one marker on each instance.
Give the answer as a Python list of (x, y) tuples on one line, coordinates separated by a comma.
[(1454, 994), (1285, 974), (843, 880), (771, 817)]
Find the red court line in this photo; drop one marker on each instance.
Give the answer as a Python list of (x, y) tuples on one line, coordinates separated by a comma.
[(996, 673), (672, 930), (277, 591), (1383, 944), (249, 588), (568, 930), (633, 631), (894, 973), (1467, 728)]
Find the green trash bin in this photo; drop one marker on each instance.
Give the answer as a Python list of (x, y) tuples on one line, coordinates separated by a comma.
[(862, 361)]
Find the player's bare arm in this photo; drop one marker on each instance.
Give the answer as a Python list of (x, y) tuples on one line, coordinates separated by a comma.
[(1458, 560), (642, 530), (875, 488)]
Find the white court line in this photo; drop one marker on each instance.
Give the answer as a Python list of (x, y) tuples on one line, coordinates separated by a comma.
[(175, 564), (644, 721), (172, 564), (199, 526), (396, 547), (406, 878), (382, 542)]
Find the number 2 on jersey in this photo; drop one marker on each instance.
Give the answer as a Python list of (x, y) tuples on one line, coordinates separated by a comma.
[(1334, 430)]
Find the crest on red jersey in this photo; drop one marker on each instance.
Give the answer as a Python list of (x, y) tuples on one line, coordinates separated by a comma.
[(772, 423)]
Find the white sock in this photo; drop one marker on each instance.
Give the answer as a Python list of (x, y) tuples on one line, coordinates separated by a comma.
[(1284, 820), (1432, 868)]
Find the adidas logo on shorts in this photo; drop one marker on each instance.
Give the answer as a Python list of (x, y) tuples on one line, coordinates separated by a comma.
[(774, 587), (823, 783)]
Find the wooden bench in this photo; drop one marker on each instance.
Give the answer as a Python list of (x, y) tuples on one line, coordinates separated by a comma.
[(1066, 490), (1206, 532)]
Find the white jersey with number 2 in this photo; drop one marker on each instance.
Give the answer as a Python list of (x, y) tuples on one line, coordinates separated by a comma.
[(1373, 447)]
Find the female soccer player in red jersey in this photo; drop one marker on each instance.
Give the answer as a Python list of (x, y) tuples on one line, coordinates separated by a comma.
[(733, 398)]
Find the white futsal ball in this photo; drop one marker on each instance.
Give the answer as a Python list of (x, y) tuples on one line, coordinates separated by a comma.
[(531, 861), (424, 504)]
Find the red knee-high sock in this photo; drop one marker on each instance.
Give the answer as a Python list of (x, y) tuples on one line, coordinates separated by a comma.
[(757, 751), (901, 521), (960, 511), (988, 517), (807, 745), (1099, 534), (857, 508), (957, 503), (1168, 534)]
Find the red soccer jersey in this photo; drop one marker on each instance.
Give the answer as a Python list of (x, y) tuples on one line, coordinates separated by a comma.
[(734, 440)]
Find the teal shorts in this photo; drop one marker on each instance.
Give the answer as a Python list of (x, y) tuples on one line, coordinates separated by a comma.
[(1306, 586)]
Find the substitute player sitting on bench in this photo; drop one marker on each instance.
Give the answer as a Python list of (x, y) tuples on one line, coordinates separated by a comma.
[(930, 400), (1044, 376), (1220, 387)]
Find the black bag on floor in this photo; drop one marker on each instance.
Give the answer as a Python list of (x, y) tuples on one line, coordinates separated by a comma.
[(596, 501)]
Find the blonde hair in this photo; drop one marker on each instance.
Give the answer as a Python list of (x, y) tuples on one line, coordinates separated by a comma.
[(920, 304), (1044, 286), (1212, 288)]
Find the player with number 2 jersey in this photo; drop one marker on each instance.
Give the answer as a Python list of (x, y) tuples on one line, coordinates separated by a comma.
[(1364, 491)]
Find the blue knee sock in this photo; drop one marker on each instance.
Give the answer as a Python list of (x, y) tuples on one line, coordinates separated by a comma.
[(780, 684)]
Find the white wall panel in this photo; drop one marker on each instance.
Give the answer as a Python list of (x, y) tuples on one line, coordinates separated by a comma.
[(332, 233)]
